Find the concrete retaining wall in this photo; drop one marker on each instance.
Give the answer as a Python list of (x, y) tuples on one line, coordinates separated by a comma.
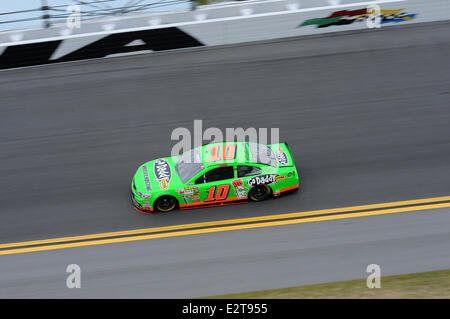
[(238, 23)]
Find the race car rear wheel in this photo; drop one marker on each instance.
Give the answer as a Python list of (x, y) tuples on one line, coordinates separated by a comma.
[(259, 193), (166, 204)]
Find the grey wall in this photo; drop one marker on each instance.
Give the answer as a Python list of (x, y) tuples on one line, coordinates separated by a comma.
[(210, 26)]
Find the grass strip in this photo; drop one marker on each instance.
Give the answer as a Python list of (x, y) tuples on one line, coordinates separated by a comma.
[(424, 285)]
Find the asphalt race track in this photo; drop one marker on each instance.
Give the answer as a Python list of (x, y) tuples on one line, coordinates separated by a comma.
[(236, 261), (365, 113)]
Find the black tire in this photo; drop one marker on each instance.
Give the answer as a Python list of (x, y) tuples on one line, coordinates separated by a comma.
[(259, 193), (166, 204)]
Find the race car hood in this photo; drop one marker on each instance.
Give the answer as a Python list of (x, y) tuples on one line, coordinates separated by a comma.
[(157, 175)]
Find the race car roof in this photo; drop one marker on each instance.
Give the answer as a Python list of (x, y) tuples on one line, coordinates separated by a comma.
[(225, 153)]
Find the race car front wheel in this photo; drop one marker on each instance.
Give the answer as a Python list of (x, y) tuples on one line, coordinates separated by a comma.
[(259, 193), (165, 204)]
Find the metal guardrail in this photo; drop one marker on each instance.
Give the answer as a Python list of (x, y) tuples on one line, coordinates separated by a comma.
[(134, 13), (47, 15), (205, 17), (227, 23)]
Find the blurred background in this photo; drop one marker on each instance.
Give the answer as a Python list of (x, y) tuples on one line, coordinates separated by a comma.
[(44, 13), (365, 112)]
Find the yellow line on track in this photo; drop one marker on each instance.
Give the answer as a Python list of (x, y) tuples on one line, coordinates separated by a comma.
[(226, 228), (223, 222)]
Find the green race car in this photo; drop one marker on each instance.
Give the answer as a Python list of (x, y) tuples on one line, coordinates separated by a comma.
[(213, 175)]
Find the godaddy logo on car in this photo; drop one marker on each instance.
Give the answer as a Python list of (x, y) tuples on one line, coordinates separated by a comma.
[(263, 179)]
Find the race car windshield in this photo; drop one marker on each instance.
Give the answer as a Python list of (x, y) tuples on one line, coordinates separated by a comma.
[(189, 164), (262, 154)]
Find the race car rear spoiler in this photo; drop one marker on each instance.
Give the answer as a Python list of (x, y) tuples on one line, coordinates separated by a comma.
[(283, 154)]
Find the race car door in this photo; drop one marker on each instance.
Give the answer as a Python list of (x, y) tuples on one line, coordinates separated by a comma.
[(216, 185)]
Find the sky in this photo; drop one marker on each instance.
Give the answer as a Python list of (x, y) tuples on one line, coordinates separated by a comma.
[(60, 7)]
